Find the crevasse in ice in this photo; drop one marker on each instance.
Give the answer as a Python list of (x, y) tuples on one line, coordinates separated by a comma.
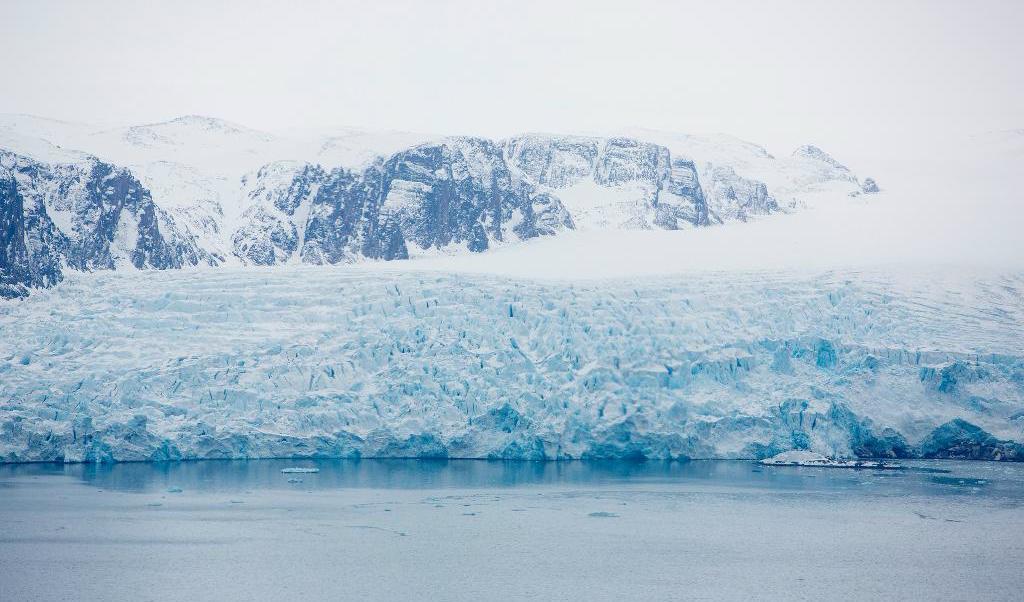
[(306, 361)]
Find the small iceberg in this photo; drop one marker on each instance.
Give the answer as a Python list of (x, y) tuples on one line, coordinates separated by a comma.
[(296, 470), (809, 458)]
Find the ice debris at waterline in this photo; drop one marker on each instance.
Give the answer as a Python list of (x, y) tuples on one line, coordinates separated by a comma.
[(809, 458), (326, 362), (299, 470)]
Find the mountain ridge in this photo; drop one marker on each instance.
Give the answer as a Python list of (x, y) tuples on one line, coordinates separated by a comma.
[(211, 192)]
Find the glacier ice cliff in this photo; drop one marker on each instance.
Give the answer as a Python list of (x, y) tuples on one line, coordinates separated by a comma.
[(326, 361)]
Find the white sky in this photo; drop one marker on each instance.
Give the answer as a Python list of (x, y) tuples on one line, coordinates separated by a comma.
[(853, 77)]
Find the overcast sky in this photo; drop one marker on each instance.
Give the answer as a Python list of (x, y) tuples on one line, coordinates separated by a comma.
[(852, 76)]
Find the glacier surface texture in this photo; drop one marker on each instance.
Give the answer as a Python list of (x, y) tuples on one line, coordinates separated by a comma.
[(341, 362)]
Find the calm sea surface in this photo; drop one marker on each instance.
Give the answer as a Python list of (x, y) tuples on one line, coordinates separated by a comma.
[(472, 530)]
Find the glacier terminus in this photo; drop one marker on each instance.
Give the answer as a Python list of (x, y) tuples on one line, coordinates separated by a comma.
[(308, 361)]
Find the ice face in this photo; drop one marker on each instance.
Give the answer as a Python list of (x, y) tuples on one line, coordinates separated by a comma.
[(318, 361)]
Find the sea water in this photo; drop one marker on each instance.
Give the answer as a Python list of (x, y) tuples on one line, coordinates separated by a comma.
[(470, 530)]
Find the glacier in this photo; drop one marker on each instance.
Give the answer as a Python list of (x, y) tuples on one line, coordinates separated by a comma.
[(348, 361)]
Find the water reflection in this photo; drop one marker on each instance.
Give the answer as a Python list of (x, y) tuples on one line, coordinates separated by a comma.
[(924, 477)]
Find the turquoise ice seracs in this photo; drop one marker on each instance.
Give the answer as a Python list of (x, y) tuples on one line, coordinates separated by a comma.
[(312, 362)]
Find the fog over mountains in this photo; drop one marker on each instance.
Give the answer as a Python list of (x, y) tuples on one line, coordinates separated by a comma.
[(199, 191)]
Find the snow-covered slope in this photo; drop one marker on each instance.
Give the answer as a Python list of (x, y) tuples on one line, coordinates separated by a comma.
[(241, 196), (939, 210), (335, 361), (612, 183), (86, 215), (808, 176)]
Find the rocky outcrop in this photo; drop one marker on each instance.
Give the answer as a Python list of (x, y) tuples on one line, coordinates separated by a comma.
[(553, 161), (613, 182), (461, 192), (25, 237), (458, 194), (469, 194), (732, 197), (278, 196), (85, 216)]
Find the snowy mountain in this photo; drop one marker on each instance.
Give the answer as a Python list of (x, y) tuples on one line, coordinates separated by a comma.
[(203, 191), (613, 182), (806, 177), (85, 216)]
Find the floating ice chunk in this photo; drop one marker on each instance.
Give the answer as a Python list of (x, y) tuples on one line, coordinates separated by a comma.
[(174, 490), (296, 470), (809, 458)]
